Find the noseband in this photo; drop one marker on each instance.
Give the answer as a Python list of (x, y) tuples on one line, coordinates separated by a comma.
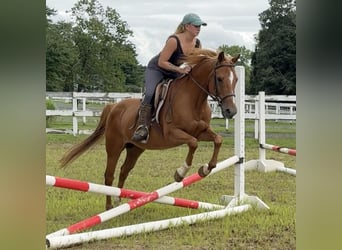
[(215, 97)]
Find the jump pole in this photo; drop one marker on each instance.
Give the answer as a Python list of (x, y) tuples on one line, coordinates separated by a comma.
[(262, 164), (125, 193), (133, 204), (279, 149), (67, 240)]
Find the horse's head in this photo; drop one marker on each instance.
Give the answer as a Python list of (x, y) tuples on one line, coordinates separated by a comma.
[(222, 84), (222, 79)]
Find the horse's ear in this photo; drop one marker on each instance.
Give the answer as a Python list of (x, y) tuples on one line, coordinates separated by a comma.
[(221, 56), (235, 58)]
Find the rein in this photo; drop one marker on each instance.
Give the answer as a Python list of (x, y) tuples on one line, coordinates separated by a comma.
[(214, 97)]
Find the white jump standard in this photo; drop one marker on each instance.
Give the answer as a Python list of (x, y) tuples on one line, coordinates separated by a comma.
[(262, 164)]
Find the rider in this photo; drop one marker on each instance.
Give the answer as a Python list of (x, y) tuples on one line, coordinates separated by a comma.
[(166, 65)]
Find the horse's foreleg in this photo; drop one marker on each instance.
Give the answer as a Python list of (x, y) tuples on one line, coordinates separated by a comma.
[(217, 139), (182, 171)]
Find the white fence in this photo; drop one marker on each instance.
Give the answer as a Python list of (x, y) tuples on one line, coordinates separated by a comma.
[(93, 97), (277, 107)]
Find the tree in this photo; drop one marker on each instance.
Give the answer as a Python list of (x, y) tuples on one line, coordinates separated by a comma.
[(105, 51), (60, 54), (274, 59), (91, 52), (49, 12), (244, 60)]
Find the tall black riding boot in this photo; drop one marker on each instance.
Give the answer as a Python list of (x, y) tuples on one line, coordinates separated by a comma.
[(141, 134)]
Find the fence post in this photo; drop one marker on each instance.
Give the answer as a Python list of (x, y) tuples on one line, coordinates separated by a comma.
[(74, 118), (84, 109), (262, 127), (256, 121)]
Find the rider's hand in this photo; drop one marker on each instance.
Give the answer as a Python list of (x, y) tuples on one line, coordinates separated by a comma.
[(184, 69)]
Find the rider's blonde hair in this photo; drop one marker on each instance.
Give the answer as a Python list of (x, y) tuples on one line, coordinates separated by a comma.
[(180, 28)]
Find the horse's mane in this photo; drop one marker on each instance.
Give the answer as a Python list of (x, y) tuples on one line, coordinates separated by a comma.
[(199, 55)]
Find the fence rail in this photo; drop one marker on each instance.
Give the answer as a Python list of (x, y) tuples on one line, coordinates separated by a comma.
[(277, 107)]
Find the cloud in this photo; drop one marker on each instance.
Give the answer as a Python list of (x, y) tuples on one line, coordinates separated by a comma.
[(232, 22), (217, 34)]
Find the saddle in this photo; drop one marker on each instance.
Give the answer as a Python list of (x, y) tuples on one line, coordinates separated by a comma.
[(160, 96)]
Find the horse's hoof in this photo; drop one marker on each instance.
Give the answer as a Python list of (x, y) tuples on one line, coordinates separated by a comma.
[(202, 172), (108, 207), (117, 201), (177, 177)]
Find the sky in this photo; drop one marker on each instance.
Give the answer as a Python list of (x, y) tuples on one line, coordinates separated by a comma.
[(230, 22)]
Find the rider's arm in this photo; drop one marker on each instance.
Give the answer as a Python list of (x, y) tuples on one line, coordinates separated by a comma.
[(165, 54)]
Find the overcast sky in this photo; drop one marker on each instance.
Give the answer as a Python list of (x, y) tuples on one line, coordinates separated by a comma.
[(230, 22)]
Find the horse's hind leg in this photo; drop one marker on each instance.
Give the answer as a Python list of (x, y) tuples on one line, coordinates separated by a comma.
[(132, 155), (113, 155)]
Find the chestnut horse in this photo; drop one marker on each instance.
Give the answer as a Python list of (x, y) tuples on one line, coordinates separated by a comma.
[(183, 119)]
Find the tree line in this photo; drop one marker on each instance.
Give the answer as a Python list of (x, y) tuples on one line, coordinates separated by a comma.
[(92, 51)]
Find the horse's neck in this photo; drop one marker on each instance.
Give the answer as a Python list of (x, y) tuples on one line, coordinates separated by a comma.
[(187, 93)]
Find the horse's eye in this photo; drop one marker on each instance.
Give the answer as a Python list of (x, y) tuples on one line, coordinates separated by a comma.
[(219, 79)]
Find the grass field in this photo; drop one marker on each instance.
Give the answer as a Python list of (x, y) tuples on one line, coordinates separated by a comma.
[(255, 229)]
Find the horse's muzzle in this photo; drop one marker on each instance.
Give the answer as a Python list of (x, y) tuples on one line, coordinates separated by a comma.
[(228, 113)]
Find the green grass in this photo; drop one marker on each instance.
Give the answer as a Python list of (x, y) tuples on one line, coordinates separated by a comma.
[(255, 229)]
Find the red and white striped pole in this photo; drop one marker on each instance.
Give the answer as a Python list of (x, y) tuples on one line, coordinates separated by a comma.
[(279, 149), (125, 193), (133, 204)]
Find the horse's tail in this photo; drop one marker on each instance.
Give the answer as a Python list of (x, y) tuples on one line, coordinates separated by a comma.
[(83, 146)]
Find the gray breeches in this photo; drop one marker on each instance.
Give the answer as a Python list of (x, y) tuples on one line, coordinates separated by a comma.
[(152, 78)]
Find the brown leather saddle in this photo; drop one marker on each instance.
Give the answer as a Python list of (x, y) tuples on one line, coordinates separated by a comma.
[(160, 96)]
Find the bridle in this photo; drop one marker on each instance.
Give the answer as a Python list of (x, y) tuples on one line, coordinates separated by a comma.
[(215, 97)]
